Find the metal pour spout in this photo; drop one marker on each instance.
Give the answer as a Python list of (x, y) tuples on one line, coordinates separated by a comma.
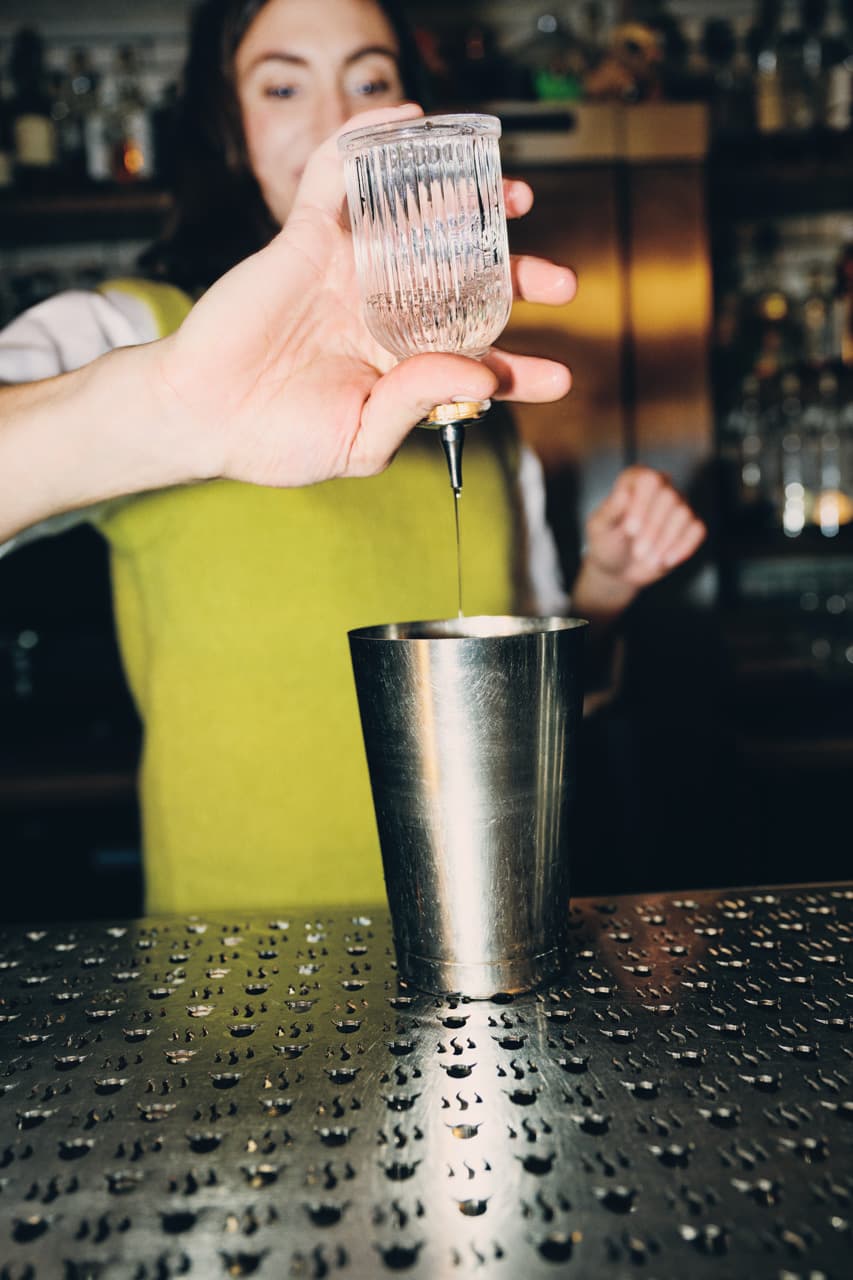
[(452, 437), (450, 420)]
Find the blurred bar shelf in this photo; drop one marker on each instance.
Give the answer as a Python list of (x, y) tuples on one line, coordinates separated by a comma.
[(113, 213), (760, 175)]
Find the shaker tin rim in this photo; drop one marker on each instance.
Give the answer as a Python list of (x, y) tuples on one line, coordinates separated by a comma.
[(470, 627)]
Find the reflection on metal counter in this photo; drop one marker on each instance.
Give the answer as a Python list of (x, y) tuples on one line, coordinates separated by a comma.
[(262, 1096)]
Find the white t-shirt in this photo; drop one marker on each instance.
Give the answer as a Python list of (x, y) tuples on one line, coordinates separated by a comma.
[(74, 328)]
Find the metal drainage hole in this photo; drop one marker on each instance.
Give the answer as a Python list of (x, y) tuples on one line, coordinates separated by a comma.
[(334, 1137), (154, 1111), (175, 1223), (75, 1148), (110, 1084), (399, 1257), (400, 1101), (325, 1214), (31, 1119), (464, 1131), (69, 1061), (242, 1264), (290, 1050), (342, 1075), (458, 1070), (538, 1165), (123, 1182), (261, 1175), (276, 1106), (201, 1143), (558, 1246), (400, 1172), (224, 1079), (472, 1208), (25, 1230)]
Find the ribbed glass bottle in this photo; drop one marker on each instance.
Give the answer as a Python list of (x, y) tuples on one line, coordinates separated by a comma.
[(429, 229)]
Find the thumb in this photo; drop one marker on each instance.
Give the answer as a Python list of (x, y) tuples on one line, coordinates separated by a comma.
[(322, 184), (404, 396)]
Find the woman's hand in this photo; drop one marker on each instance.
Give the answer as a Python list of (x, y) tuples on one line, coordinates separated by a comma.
[(273, 378), (278, 373), (641, 531)]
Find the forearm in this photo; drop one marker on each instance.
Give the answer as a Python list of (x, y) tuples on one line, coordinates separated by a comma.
[(87, 436)]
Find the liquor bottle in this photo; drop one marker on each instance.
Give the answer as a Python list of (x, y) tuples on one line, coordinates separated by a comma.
[(838, 64), (843, 308), (797, 498), (746, 443), (33, 129), (817, 320), (98, 131), (7, 142), (763, 41), (769, 328), (800, 54), (832, 507), (81, 99), (730, 83), (133, 148)]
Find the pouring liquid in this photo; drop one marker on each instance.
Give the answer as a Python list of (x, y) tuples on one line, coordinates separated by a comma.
[(457, 498)]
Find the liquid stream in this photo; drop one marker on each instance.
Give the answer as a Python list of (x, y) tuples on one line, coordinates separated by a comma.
[(457, 498)]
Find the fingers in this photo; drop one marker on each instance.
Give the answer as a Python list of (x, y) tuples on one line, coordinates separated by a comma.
[(322, 184), (611, 511), (403, 396), (518, 197), (663, 527), (538, 280), (683, 544), (529, 379)]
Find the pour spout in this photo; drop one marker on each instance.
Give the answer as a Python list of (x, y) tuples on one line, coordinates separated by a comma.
[(452, 436)]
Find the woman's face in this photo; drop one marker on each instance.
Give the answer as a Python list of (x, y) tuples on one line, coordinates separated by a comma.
[(302, 69)]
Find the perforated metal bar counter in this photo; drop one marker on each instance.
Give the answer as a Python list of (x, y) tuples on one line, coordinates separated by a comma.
[(229, 1096)]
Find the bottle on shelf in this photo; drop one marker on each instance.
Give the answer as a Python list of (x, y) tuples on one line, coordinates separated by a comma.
[(729, 82), (133, 145), (843, 307), (801, 65), (33, 128), (745, 448), (7, 142), (817, 325), (99, 129), (769, 327), (763, 41), (797, 491), (80, 97), (838, 63), (833, 506)]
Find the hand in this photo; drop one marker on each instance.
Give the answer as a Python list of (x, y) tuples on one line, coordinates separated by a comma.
[(277, 374), (641, 531)]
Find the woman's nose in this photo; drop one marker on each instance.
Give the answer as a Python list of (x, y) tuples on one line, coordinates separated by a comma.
[(337, 109)]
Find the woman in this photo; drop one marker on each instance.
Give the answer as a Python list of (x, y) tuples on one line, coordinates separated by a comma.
[(233, 601)]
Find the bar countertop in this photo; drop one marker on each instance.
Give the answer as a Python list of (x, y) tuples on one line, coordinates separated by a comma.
[(229, 1096)]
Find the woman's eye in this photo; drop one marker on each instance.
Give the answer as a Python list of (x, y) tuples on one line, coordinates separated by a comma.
[(370, 88), (280, 91)]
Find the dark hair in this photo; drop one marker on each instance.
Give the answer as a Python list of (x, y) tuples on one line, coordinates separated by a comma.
[(219, 216)]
